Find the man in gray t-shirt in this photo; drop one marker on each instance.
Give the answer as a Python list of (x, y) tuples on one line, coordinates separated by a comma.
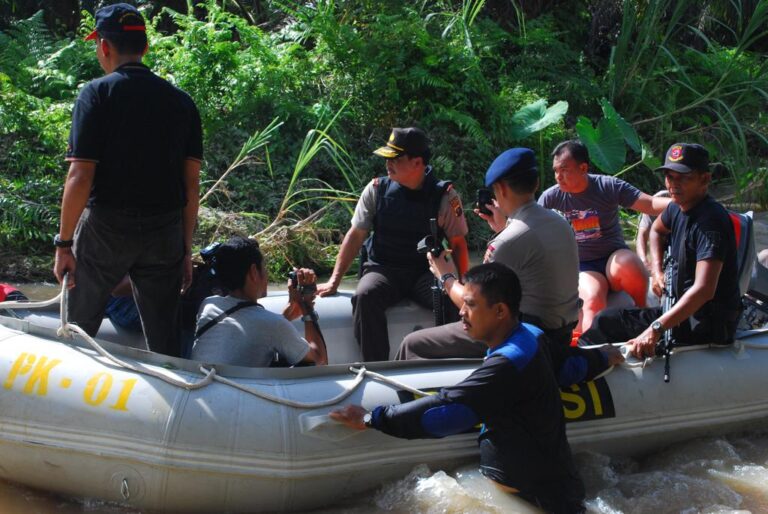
[(235, 329), (591, 204)]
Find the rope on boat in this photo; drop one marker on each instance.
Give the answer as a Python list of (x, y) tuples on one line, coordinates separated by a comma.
[(387, 380), (292, 403), (67, 329), (210, 375)]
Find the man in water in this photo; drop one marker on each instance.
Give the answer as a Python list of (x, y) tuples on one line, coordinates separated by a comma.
[(523, 446)]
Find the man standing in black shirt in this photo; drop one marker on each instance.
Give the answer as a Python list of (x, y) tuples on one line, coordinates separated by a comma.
[(704, 266), (131, 196), (523, 447)]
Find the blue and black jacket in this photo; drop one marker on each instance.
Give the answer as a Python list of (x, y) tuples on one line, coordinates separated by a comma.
[(515, 395)]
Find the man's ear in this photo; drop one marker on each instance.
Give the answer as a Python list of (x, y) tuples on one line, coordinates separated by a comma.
[(105, 48), (502, 310), (584, 167)]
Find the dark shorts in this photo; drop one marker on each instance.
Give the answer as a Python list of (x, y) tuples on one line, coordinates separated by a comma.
[(597, 265)]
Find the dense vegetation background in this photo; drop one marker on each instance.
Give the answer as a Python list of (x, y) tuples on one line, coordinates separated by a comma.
[(295, 95)]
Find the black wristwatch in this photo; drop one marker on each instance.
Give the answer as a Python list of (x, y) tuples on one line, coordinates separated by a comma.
[(58, 242), (368, 419), (446, 277)]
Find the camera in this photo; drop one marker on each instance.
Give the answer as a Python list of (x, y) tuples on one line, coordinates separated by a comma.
[(429, 245), (304, 289), (484, 197), (209, 256)]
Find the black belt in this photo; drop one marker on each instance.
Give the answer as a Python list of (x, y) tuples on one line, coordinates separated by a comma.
[(136, 212)]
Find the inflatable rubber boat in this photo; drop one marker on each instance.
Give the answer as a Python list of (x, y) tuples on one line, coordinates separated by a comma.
[(93, 418)]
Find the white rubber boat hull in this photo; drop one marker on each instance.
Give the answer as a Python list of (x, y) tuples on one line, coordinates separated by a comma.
[(72, 422)]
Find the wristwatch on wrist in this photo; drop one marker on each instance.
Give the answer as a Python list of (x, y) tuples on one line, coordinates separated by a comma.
[(444, 278), (368, 419), (657, 327), (58, 242)]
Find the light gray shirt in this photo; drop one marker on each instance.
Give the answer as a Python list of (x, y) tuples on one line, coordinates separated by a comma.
[(539, 246), (247, 337)]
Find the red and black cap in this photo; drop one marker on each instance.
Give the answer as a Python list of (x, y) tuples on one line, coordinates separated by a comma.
[(411, 141), (685, 158), (118, 20)]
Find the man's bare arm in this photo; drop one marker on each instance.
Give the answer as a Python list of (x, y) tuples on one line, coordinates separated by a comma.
[(350, 247), (189, 215), (77, 190)]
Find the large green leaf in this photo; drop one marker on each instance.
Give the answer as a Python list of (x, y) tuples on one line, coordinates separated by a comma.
[(604, 142), (536, 117), (650, 160), (627, 130)]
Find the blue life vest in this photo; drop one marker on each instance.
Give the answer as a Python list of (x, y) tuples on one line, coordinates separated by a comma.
[(402, 220)]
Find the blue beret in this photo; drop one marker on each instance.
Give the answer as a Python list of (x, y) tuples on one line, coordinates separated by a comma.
[(513, 160)]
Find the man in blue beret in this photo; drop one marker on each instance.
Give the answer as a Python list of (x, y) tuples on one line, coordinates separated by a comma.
[(131, 195), (539, 246)]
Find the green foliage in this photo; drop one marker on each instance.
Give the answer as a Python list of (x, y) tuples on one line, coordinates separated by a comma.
[(608, 141), (677, 71)]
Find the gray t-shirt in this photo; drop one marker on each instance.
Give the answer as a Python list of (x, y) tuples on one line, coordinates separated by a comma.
[(450, 214), (247, 337), (594, 213), (539, 246)]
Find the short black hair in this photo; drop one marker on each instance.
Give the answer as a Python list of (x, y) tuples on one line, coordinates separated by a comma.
[(127, 44), (575, 148), (233, 259), (425, 156), (522, 182), (498, 284)]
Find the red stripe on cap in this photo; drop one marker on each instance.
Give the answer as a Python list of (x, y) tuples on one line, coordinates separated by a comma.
[(137, 28), (92, 35)]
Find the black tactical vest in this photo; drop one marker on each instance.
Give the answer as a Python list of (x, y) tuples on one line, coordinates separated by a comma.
[(402, 220)]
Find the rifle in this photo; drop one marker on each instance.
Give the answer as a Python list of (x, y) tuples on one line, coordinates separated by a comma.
[(667, 302), (430, 244)]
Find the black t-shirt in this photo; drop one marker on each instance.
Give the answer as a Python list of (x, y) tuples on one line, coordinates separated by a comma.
[(706, 232), (140, 130)]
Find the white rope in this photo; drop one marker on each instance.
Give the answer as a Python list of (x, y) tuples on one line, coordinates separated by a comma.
[(67, 329), (30, 305), (387, 380), (191, 386), (292, 403)]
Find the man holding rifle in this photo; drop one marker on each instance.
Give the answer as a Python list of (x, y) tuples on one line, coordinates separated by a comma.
[(704, 273)]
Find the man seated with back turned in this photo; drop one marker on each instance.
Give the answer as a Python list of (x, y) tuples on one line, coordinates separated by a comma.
[(591, 203), (704, 277), (397, 208), (523, 446), (539, 246), (235, 329)]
